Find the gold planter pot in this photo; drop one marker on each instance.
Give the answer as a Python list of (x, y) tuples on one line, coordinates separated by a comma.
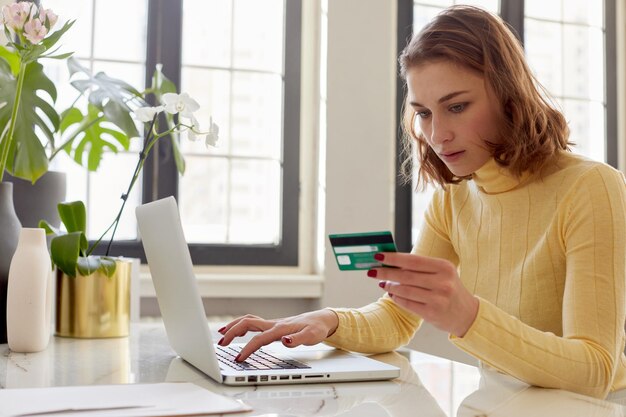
[(94, 306)]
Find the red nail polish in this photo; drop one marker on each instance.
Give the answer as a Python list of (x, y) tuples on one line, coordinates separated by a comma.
[(382, 284), (372, 273), (221, 330), (220, 342), (237, 358), (379, 256), (288, 339)]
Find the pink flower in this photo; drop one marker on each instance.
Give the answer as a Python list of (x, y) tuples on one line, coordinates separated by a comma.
[(35, 31), (47, 17), (15, 15)]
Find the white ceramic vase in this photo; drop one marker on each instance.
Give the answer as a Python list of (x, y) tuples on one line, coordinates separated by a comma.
[(29, 294)]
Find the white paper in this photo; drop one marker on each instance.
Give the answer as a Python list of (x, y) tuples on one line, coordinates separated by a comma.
[(131, 400)]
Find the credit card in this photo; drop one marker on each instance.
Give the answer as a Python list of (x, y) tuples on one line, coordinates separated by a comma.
[(355, 251)]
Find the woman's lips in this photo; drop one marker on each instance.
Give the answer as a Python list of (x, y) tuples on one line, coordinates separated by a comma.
[(451, 156)]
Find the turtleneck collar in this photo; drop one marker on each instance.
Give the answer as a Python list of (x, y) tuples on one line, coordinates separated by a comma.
[(492, 178)]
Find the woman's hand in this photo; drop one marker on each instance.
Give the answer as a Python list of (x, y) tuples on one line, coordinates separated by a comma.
[(430, 287), (304, 329)]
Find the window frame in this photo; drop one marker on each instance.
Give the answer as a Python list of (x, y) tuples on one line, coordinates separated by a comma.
[(512, 11), (160, 177)]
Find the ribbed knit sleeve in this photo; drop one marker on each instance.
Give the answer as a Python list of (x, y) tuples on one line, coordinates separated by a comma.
[(590, 230)]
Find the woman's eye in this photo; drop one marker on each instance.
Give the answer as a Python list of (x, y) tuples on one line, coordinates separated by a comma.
[(457, 108), (422, 114)]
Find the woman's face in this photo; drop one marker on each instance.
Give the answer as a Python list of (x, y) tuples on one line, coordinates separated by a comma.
[(456, 112)]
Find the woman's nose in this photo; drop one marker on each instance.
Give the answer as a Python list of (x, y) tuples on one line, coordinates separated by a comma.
[(440, 131)]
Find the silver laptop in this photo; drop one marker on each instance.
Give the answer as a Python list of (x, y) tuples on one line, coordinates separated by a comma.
[(188, 332)]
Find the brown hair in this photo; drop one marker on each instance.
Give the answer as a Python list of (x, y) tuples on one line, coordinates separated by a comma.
[(468, 36)]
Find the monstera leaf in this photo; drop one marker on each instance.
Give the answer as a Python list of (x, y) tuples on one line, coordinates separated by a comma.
[(27, 156), (92, 136), (108, 94)]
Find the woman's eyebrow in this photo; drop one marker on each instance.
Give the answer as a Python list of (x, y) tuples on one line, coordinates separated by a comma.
[(442, 99)]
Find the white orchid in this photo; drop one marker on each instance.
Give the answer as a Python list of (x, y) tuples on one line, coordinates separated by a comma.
[(146, 114), (213, 135), (183, 105), (180, 103)]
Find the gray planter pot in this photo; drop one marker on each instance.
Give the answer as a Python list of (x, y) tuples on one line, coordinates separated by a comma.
[(10, 227), (34, 202)]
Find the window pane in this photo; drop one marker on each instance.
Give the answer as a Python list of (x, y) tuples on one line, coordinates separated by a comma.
[(114, 29), (258, 35), (245, 98), (584, 11), (256, 115), (587, 127), (207, 32), (583, 59), (255, 202), (204, 210), (78, 38), (439, 3), (101, 190), (543, 9), (542, 39), (105, 190)]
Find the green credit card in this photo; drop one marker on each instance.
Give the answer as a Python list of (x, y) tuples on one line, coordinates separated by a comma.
[(355, 251)]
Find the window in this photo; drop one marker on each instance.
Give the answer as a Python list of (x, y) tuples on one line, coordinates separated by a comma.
[(581, 77), (241, 61)]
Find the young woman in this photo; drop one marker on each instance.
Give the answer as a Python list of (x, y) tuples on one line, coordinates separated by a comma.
[(522, 258)]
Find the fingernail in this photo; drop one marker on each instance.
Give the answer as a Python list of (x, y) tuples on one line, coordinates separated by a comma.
[(220, 342), (288, 339), (382, 284), (221, 330), (237, 358), (372, 273), (379, 256)]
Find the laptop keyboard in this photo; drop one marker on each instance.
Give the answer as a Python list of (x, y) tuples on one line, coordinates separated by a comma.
[(260, 360)]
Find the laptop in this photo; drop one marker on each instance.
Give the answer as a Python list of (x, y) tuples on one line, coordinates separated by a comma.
[(187, 330)]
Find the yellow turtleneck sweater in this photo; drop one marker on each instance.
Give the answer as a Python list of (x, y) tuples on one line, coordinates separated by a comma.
[(546, 257)]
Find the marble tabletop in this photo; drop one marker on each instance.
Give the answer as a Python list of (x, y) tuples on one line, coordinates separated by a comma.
[(427, 386)]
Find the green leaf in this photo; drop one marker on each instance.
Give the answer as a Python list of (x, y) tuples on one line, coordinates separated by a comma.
[(107, 265), (12, 58), (50, 230), (178, 155), (65, 250), (60, 56), (89, 137), (27, 156), (120, 116), (161, 84), (49, 42), (88, 265), (74, 216), (108, 94)]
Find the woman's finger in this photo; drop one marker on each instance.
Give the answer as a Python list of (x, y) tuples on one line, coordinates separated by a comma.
[(243, 326), (409, 292), (412, 262), (406, 277)]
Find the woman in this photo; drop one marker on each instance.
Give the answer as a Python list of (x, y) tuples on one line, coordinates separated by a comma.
[(522, 258)]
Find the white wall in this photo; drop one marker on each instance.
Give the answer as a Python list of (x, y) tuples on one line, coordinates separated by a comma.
[(361, 126)]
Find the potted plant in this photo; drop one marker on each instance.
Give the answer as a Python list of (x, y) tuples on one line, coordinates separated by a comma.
[(93, 291), (33, 132)]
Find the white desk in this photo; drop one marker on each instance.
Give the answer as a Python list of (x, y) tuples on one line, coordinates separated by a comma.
[(428, 386)]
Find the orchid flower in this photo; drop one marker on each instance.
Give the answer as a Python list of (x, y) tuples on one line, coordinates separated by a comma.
[(146, 114), (180, 103)]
